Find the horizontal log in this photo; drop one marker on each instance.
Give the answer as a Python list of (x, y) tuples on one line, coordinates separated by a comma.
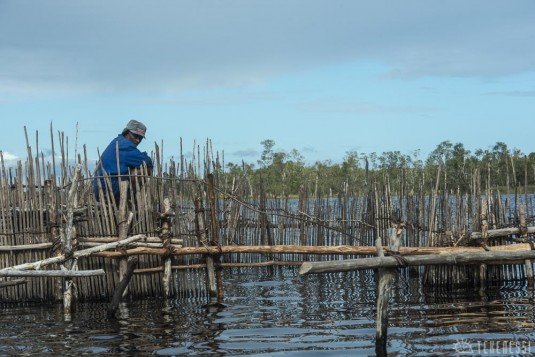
[(133, 245), (502, 232), (133, 251), (13, 248), (465, 258), (223, 265), (494, 233), (240, 265), (9, 283), (111, 239), (77, 254), (298, 249), (52, 273), (156, 245), (289, 249)]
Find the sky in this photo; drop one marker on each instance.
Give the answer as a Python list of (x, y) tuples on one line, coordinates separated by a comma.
[(324, 77)]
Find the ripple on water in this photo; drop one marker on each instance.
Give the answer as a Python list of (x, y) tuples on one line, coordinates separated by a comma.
[(280, 314)]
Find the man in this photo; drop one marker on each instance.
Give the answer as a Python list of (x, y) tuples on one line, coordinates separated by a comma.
[(124, 147)]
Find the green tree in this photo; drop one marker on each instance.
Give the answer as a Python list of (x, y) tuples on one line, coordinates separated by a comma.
[(267, 154)]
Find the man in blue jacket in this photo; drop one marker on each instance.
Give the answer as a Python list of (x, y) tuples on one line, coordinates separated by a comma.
[(124, 147)]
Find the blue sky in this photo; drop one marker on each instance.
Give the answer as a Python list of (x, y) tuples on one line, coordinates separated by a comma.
[(322, 77)]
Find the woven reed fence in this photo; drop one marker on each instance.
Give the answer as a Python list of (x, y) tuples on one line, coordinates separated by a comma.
[(34, 216)]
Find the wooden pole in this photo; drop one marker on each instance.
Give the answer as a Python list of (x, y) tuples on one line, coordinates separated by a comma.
[(215, 238), (165, 236), (122, 227), (202, 235), (484, 238), (121, 288), (524, 235), (428, 273), (54, 233), (167, 276), (264, 220), (386, 276), (68, 235)]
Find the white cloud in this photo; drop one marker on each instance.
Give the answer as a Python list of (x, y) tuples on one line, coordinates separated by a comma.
[(8, 156), (132, 45)]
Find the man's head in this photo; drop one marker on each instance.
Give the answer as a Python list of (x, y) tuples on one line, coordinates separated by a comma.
[(135, 127), (135, 130)]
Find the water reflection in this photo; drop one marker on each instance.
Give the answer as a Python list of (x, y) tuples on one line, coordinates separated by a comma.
[(277, 312)]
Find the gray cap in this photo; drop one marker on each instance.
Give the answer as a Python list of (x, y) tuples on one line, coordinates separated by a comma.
[(135, 127)]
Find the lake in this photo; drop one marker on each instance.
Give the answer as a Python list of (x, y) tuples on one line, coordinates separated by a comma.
[(274, 311)]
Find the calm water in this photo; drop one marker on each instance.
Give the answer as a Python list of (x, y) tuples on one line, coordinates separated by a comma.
[(276, 312)]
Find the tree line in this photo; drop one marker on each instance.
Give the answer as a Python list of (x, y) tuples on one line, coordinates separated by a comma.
[(450, 166)]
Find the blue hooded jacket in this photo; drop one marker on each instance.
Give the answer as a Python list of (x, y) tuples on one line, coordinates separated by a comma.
[(129, 157)]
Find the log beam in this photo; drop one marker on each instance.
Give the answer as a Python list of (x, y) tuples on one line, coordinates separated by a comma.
[(52, 273), (76, 254), (467, 258), (298, 249)]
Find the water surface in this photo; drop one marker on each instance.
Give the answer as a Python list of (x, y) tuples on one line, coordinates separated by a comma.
[(277, 312)]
